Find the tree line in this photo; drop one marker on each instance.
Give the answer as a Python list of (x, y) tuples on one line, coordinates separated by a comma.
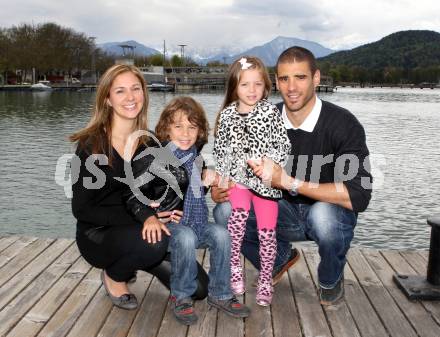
[(50, 49), (385, 75)]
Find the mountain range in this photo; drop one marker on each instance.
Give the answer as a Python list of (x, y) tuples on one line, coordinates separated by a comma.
[(268, 52), (405, 49)]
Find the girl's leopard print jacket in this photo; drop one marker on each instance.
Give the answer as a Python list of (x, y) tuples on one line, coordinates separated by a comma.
[(260, 133)]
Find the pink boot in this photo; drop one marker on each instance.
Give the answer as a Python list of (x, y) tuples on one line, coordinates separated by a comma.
[(236, 228), (268, 250)]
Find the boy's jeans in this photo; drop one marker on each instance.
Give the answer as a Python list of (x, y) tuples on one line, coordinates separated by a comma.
[(330, 226), (183, 245)]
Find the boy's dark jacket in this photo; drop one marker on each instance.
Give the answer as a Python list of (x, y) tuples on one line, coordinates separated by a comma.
[(157, 174)]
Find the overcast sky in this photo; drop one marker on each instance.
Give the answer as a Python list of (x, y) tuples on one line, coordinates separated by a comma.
[(336, 24)]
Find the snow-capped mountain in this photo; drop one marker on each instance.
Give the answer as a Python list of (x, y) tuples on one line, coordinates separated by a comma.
[(268, 52), (202, 54)]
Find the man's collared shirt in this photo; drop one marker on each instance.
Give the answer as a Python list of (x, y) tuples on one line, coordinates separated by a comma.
[(309, 123)]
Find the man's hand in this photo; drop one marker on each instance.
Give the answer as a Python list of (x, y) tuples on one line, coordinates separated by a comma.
[(219, 194), (270, 173), (220, 191), (274, 175)]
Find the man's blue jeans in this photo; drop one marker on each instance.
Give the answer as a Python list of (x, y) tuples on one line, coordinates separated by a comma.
[(330, 226), (183, 245)]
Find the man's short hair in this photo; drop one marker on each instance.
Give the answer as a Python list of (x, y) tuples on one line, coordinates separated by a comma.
[(297, 54)]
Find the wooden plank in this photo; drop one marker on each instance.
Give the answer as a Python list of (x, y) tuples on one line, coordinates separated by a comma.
[(16, 252), (259, 323), (170, 326), (311, 315), (228, 326), (419, 261), (5, 242), (207, 322), (389, 312), (339, 316), (18, 307), (119, 321), (16, 284), (285, 316), (40, 314), (366, 318), (93, 316), (62, 321), (151, 311), (414, 311)]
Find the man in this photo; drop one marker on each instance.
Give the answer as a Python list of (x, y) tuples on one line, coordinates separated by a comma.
[(327, 182)]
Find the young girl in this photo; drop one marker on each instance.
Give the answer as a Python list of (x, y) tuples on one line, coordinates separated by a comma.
[(249, 127), (183, 130)]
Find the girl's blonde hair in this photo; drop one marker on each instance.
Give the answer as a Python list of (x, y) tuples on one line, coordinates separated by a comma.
[(98, 132), (192, 109), (233, 78)]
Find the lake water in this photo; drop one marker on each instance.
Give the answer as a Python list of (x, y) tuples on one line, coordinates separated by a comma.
[(402, 134)]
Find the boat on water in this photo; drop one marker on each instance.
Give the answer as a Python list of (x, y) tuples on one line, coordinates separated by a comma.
[(41, 86), (160, 87)]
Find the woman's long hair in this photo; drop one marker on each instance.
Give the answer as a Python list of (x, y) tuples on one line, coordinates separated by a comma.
[(233, 78), (97, 135)]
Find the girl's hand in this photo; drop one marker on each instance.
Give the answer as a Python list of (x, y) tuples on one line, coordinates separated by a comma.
[(210, 178), (152, 229)]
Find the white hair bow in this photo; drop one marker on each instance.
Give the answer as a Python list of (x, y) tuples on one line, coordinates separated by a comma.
[(244, 63)]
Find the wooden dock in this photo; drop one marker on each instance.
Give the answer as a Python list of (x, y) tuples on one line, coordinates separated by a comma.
[(47, 289)]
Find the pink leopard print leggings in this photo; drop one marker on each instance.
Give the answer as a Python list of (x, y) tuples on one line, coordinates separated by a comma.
[(266, 210)]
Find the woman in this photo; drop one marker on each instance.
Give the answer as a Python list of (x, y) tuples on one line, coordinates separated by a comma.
[(108, 237)]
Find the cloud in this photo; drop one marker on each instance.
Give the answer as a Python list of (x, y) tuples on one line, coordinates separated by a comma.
[(245, 23)]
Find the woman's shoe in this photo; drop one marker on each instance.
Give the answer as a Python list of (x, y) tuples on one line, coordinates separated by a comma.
[(264, 294), (126, 301)]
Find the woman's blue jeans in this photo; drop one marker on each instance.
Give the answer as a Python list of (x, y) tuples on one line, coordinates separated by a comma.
[(183, 245), (330, 226)]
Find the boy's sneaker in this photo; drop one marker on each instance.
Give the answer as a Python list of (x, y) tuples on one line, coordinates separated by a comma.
[(278, 273), (230, 306), (333, 295), (184, 311)]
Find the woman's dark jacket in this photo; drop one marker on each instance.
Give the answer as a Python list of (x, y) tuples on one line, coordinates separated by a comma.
[(97, 194)]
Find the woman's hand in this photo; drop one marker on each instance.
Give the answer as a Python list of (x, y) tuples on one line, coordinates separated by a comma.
[(152, 229)]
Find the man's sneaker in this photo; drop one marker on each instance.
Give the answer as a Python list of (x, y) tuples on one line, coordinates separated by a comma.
[(278, 273), (231, 306), (333, 295), (184, 311)]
